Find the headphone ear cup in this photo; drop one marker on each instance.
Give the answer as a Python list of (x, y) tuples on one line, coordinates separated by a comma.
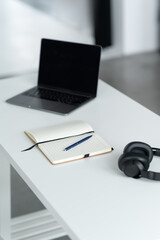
[(139, 148), (132, 164)]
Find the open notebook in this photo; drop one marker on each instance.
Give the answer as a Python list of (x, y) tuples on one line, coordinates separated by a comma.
[(53, 141)]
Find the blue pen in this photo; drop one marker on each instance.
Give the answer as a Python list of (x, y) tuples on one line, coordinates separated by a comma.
[(77, 143)]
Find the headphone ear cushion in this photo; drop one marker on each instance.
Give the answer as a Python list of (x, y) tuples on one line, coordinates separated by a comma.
[(132, 164), (139, 148)]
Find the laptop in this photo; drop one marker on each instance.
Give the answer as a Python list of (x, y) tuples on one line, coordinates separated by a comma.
[(67, 77)]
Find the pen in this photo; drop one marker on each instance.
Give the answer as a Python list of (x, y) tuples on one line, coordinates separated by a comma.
[(77, 143)]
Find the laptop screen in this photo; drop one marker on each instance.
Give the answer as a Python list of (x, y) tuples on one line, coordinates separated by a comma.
[(69, 66)]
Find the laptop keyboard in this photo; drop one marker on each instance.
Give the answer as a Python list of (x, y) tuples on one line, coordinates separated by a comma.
[(56, 96)]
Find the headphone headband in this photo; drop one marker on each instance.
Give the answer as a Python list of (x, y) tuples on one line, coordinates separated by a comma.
[(151, 175), (156, 151)]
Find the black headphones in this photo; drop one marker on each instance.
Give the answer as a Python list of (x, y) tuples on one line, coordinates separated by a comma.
[(135, 160)]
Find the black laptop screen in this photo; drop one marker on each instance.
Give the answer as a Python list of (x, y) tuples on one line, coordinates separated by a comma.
[(69, 66)]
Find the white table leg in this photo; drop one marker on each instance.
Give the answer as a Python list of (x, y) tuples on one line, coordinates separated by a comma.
[(5, 196)]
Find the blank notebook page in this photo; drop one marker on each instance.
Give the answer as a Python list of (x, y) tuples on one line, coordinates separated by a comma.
[(59, 131), (54, 151)]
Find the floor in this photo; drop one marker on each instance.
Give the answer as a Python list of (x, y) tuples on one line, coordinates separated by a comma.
[(137, 76)]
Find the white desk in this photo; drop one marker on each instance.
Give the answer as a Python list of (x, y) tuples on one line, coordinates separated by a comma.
[(91, 199), (21, 30)]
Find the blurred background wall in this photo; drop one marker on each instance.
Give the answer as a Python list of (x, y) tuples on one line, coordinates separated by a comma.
[(122, 27)]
